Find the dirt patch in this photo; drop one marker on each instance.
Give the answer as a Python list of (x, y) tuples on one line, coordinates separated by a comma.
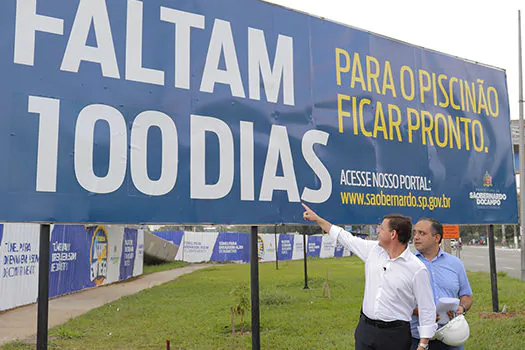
[(497, 315)]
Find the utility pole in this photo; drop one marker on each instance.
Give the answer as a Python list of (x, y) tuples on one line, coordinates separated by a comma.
[(493, 270), (305, 250), (522, 153)]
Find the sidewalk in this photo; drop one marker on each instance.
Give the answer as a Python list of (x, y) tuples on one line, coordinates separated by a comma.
[(21, 323)]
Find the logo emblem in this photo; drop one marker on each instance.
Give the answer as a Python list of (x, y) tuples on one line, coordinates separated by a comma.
[(487, 179), (98, 257), (260, 247)]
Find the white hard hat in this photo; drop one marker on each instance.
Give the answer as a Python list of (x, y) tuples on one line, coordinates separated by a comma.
[(455, 332)]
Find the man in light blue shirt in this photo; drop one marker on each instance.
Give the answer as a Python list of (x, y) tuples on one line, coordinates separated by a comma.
[(447, 274)]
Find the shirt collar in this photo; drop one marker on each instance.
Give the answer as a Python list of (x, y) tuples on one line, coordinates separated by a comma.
[(440, 253), (404, 255)]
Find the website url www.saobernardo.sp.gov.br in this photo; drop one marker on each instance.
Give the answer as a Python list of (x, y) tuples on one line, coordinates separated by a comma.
[(395, 200)]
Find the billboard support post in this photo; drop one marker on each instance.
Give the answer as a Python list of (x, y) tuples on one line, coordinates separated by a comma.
[(305, 263), (43, 288), (254, 279), (493, 272), (276, 249), (522, 151)]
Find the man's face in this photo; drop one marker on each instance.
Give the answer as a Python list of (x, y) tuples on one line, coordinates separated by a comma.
[(384, 232), (423, 238)]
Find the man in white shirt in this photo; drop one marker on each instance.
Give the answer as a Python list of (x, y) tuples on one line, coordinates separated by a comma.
[(396, 281)]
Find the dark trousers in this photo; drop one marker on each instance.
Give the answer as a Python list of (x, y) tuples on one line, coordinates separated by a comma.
[(384, 336), (436, 345)]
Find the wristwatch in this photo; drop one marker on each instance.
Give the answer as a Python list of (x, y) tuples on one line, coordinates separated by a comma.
[(464, 309), (423, 345)]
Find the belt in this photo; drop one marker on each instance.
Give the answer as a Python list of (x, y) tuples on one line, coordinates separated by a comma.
[(383, 324)]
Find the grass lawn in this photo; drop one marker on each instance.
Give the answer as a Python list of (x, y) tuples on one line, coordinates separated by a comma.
[(193, 311), (163, 267)]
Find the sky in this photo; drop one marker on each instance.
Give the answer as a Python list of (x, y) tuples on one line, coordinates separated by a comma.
[(475, 30)]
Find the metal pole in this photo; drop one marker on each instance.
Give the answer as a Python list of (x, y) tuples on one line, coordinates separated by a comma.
[(254, 277), (183, 243), (493, 272), (515, 237), (522, 153), (43, 288), (305, 264), (276, 249)]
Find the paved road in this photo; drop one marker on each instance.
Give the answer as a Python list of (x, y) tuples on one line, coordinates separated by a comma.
[(476, 258)]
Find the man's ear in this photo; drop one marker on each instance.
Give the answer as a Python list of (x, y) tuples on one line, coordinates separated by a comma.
[(394, 235)]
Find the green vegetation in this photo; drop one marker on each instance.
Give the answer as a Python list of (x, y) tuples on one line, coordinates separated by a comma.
[(163, 267), (194, 312), (241, 305)]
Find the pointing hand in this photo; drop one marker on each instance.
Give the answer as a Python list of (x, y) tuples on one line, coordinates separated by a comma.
[(309, 214)]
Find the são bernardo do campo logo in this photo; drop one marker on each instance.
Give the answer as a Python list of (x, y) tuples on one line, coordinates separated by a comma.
[(487, 196)]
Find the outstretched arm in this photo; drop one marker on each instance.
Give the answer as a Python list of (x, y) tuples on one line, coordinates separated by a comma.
[(358, 246)]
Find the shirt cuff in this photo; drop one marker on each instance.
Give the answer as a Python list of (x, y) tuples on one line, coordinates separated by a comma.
[(334, 232), (427, 331)]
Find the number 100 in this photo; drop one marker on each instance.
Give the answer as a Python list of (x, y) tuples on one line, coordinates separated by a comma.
[(48, 110)]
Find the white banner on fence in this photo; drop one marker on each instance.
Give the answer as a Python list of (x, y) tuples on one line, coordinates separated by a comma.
[(19, 254), (197, 246), (298, 247), (115, 237), (138, 267), (267, 253), (327, 247)]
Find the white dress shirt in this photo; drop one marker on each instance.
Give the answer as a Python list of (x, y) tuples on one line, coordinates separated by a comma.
[(394, 287)]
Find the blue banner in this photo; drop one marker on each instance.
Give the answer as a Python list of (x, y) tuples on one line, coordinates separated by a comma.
[(82, 257), (314, 246), (235, 111), (231, 247), (174, 237), (339, 250), (69, 260), (127, 260), (285, 248)]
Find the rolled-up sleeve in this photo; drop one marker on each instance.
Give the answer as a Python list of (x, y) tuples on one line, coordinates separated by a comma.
[(358, 246), (425, 304)]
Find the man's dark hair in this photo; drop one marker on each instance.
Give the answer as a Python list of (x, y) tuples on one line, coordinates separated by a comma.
[(403, 226), (435, 227)]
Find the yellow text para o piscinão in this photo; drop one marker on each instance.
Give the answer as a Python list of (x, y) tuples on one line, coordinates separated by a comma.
[(447, 93)]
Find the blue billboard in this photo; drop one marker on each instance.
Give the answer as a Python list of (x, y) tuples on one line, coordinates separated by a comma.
[(235, 111)]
